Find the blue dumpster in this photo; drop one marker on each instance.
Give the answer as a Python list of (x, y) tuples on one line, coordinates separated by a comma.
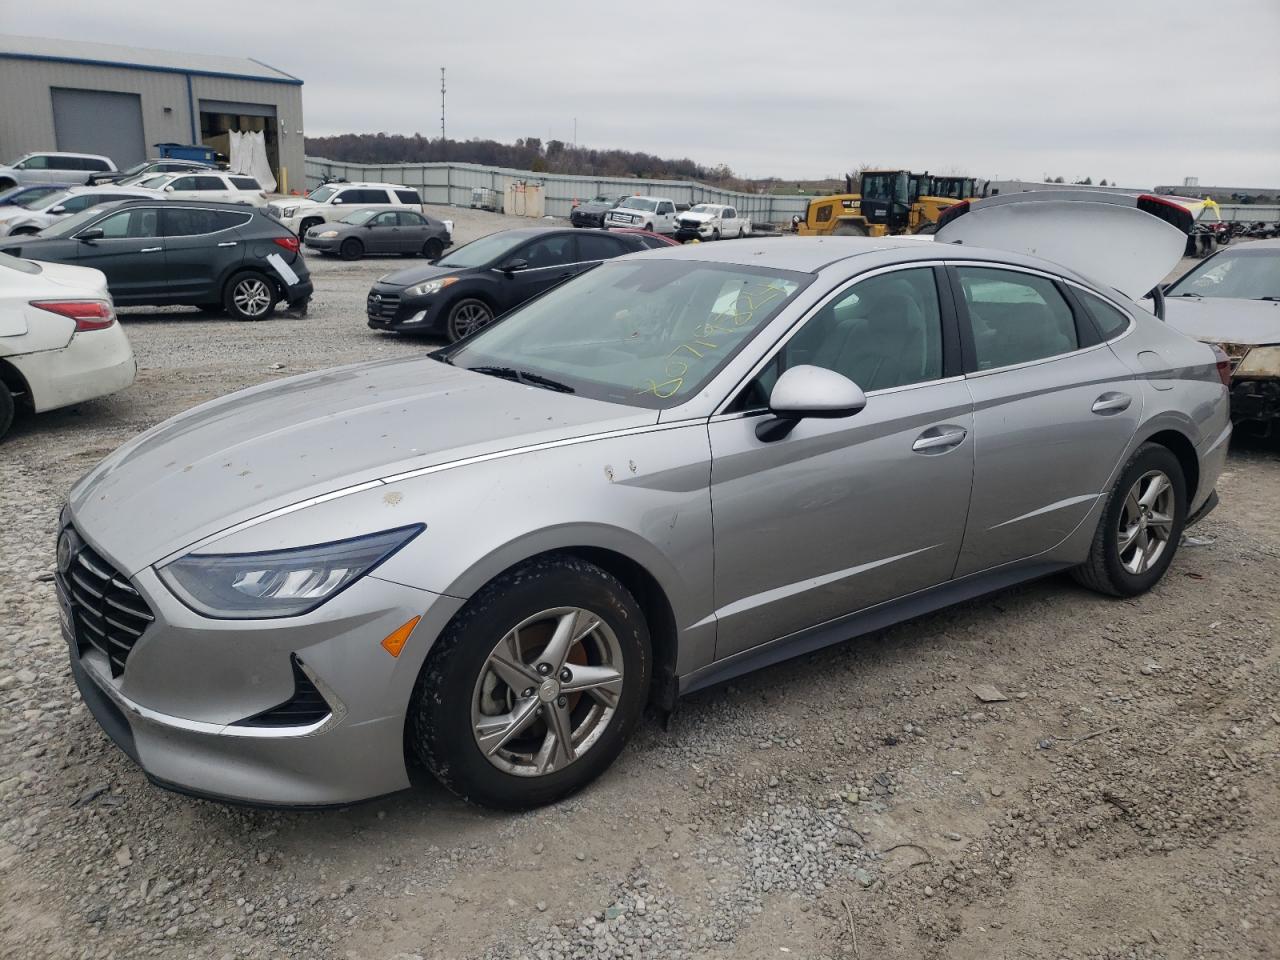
[(185, 151)]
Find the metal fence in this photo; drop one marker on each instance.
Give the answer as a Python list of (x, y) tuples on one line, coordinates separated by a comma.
[(452, 183)]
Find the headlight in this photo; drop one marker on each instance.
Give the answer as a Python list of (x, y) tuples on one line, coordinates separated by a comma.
[(278, 583), (327, 235), (429, 287), (1259, 362), (288, 211)]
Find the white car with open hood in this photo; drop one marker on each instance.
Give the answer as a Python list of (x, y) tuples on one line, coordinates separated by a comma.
[(60, 343)]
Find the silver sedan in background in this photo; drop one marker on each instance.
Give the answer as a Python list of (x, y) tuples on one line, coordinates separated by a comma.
[(680, 466), (362, 232)]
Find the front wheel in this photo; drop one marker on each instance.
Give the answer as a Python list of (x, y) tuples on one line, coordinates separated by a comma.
[(1140, 526), (466, 316), (250, 296), (649, 227), (534, 688), (6, 409), (715, 234), (351, 249)]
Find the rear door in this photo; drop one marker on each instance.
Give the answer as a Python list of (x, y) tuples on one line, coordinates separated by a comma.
[(1054, 411), (201, 247), (415, 230), (131, 253)]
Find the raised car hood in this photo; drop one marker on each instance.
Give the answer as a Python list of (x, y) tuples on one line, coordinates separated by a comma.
[(1225, 320), (1103, 236), (274, 445)]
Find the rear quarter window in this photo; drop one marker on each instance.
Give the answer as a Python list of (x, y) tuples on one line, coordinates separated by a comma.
[(409, 196), (1110, 321), (246, 183)]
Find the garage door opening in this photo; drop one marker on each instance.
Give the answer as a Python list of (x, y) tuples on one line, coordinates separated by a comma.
[(219, 118), (101, 122)]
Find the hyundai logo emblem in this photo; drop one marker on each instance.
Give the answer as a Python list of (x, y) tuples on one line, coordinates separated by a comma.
[(68, 547)]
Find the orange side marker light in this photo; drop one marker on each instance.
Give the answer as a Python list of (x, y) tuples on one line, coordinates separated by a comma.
[(393, 643)]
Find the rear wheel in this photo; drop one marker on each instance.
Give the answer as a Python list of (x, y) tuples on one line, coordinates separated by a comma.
[(433, 249), (351, 249), (534, 688), (1140, 526), (250, 296), (742, 232), (849, 230), (6, 410), (466, 316)]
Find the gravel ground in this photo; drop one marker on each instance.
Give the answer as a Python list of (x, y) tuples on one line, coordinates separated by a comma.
[(1120, 802)]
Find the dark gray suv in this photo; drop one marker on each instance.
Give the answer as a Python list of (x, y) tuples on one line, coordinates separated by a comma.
[(215, 256)]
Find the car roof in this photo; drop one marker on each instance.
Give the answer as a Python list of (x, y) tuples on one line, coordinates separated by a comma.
[(201, 204), (108, 188), (63, 153), (366, 183)]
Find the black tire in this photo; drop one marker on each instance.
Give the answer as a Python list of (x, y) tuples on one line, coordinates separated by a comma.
[(351, 249), (247, 282), (211, 308), (307, 224), (849, 230), (6, 410), (1103, 571), (715, 234), (649, 227), (462, 318), (433, 249), (440, 715), (742, 232)]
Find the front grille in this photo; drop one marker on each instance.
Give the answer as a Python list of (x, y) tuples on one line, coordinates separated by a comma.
[(382, 306), (691, 224), (305, 707), (109, 614)]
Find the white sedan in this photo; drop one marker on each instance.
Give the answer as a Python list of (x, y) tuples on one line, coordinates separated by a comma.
[(60, 343)]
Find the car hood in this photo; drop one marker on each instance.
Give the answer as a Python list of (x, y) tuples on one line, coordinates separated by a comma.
[(700, 217), (419, 274), (277, 444), (1225, 320), (1107, 237), (302, 203)]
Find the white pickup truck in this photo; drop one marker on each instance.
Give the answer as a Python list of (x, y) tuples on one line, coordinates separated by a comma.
[(711, 221), (655, 214)]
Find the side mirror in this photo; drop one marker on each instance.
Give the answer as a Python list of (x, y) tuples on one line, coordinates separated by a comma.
[(168, 189), (515, 266), (337, 200), (807, 391), (369, 225), (90, 235), (58, 209)]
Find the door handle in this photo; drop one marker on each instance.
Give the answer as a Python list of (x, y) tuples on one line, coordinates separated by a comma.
[(150, 249), (227, 243), (1112, 403), (938, 439)]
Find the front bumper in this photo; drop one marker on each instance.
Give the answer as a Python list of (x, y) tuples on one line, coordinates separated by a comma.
[(387, 308), (632, 221), (703, 231), (583, 219), (1256, 400), (179, 704), (321, 246)]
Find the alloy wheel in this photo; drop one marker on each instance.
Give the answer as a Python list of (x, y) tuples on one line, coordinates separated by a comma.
[(547, 692), (252, 297), (470, 317), (1146, 522)]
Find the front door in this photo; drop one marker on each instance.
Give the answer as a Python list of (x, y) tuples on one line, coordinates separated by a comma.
[(843, 514), (546, 262), (1053, 414), (384, 233), (131, 253)]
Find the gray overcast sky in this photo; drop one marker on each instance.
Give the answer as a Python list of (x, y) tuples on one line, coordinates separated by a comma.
[(1141, 91)]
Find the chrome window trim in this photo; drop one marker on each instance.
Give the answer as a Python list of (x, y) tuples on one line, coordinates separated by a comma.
[(799, 323), (1133, 323), (958, 378)]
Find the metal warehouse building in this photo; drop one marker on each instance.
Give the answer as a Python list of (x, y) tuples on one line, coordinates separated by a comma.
[(121, 101)]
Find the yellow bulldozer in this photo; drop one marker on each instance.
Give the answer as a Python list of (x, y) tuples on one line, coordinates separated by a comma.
[(888, 202)]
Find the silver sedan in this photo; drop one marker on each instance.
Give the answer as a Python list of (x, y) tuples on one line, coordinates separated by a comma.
[(363, 232), (683, 465)]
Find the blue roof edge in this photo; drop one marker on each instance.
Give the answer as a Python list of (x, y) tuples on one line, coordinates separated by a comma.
[(286, 78)]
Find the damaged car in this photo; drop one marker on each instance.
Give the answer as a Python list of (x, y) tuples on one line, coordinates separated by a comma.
[(1233, 300)]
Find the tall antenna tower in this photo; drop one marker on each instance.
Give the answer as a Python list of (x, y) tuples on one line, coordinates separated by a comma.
[(442, 135)]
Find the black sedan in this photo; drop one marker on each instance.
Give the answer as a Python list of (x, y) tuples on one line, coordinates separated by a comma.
[(214, 256), (484, 279), (590, 213), (380, 231)]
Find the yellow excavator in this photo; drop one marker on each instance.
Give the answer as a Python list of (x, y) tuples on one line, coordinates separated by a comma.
[(888, 202)]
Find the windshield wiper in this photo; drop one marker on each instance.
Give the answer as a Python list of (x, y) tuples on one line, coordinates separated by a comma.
[(524, 376)]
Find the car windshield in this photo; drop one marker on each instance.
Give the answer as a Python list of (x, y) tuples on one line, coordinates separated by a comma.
[(1242, 274), (22, 266), (138, 167), (357, 217), (42, 201), (638, 203), (321, 194), (485, 250), (646, 333)]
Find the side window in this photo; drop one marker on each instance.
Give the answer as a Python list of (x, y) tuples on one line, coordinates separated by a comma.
[(93, 163), (883, 332), (131, 224), (548, 251), (36, 163), (1109, 321), (824, 213), (666, 207), (597, 246), (408, 196), (209, 183), (246, 183), (83, 201), (363, 196), (652, 243), (187, 222), (184, 183), (388, 219), (730, 213), (1016, 317), (63, 163)]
